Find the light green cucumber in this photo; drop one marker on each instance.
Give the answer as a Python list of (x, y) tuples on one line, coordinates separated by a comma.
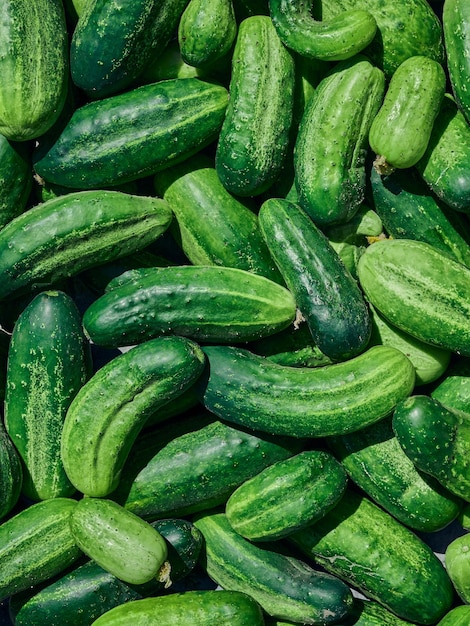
[(457, 562)]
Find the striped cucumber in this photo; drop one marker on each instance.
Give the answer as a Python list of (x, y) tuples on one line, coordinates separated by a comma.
[(456, 30)]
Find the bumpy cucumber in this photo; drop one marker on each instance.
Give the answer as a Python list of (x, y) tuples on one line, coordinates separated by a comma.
[(15, 180), (133, 134), (34, 67), (333, 40), (365, 546), (48, 362), (327, 295), (254, 138), (419, 289), (285, 587), (66, 235), (204, 303), (330, 175), (11, 474), (400, 132), (36, 544), (456, 29), (100, 429), (247, 389), (457, 561)]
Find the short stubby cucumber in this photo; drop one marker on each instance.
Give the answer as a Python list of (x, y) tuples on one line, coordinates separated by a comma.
[(252, 391)]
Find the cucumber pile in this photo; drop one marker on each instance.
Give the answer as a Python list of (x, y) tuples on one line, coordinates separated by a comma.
[(234, 313)]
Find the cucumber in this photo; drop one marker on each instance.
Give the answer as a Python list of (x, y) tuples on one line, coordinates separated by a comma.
[(254, 139), (16, 180), (108, 412), (420, 290), (382, 559), (400, 132), (327, 295), (284, 586), (453, 389), (286, 496), (134, 134), (195, 607), (11, 474), (204, 303), (48, 362), (328, 40), (458, 616), (457, 562), (34, 67), (184, 544), (249, 390), (66, 235), (36, 544), (330, 176), (376, 462), (455, 24), (112, 43)]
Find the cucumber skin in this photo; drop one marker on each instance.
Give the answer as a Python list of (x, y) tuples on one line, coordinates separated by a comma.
[(11, 474), (455, 24), (327, 295), (34, 67), (99, 429), (285, 587), (66, 235), (48, 362), (252, 391), (171, 120), (16, 180), (203, 303), (420, 290), (254, 139), (458, 616), (370, 550), (456, 559), (36, 544)]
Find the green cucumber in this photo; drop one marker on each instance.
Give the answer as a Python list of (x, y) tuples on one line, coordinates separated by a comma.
[(184, 545), (328, 40), (284, 586), (330, 176), (108, 412), (112, 42), (375, 461), (327, 296), (68, 234), (11, 474), (420, 290), (204, 303), (195, 607), (453, 389), (48, 363), (458, 616), (134, 134), (286, 496), (385, 561), (457, 562), (437, 441), (36, 544), (455, 24), (400, 132), (34, 67), (254, 139), (122, 543), (246, 389), (16, 180)]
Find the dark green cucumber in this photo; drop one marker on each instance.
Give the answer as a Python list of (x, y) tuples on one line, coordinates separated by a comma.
[(437, 441), (400, 132), (250, 390), (134, 134), (212, 226), (409, 210), (195, 607), (184, 545), (285, 587), (455, 24), (254, 138), (11, 474), (286, 496), (453, 389), (112, 42), (420, 290), (66, 235), (48, 362), (444, 165), (333, 40), (34, 67), (457, 562), (108, 412), (326, 294), (330, 175), (370, 550), (4, 346), (375, 461), (183, 468), (458, 616), (36, 544), (16, 180), (204, 303)]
